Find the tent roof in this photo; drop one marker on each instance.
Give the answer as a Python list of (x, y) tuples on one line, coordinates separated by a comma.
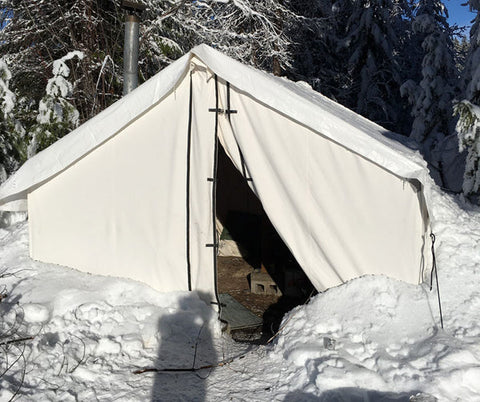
[(295, 100)]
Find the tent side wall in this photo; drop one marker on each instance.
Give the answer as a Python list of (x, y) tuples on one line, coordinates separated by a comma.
[(120, 210), (341, 215)]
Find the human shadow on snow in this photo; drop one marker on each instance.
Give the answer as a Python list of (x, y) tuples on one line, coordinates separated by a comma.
[(185, 343)]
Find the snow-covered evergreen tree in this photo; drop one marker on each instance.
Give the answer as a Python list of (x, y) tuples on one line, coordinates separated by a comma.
[(432, 96), (314, 46), (56, 115), (40, 32), (461, 46), (7, 97), (468, 110), (471, 73), (370, 45), (11, 131), (468, 129)]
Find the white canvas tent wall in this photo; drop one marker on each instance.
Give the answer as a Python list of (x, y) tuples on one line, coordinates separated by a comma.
[(130, 192)]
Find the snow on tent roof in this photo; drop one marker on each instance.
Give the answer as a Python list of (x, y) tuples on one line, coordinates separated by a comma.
[(294, 100)]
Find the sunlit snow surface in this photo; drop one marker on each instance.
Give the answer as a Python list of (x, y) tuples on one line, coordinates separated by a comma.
[(90, 334)]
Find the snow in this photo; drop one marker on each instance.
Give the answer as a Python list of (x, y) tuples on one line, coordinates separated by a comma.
[(58, 86), (7, 97), (59, 66), (373, 338), (51, 108)]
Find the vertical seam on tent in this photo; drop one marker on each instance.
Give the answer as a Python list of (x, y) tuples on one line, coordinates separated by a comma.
[(214, 198), (189, 146), (242, 159)]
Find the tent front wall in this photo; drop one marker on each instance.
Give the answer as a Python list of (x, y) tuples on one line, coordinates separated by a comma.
[(121, 210), (341, 215), (140, 205)]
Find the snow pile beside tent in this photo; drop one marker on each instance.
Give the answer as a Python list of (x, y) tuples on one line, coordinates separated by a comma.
[(369, 339), (90, 332), (386, 333)]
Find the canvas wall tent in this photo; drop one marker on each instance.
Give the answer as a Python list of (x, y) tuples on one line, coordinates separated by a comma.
[(131, 192)]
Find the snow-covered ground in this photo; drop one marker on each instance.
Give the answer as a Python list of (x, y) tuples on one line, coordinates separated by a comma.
[(372, 339)]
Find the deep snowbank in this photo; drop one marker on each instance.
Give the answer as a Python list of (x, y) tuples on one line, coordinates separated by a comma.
[(387, 332)]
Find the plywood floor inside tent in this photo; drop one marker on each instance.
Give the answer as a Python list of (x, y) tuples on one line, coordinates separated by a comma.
[(233, 278), (234, 275)]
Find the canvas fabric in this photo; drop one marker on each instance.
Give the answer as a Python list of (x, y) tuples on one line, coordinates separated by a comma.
[(341, 215), (135, 198)]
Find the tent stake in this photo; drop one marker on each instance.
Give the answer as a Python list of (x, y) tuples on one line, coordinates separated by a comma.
[(434, 270)]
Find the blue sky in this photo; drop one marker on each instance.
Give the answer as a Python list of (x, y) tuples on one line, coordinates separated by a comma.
[(457, 13), (2, 12)]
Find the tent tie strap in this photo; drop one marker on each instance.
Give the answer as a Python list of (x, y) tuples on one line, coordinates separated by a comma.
[(223, 111), (218, 304), (216, 245), (434, 271)]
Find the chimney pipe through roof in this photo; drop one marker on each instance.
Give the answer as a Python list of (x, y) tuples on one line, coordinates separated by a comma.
[(130, 49)]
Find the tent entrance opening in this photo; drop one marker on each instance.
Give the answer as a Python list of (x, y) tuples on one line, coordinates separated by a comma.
[(254, 266)]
